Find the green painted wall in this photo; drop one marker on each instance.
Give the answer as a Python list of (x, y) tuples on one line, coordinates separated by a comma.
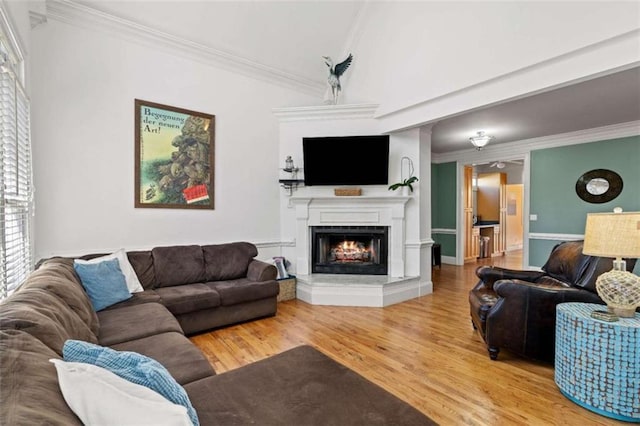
[(554, 173), (443, 195), (443, 202), (539, 251), (447, 243)]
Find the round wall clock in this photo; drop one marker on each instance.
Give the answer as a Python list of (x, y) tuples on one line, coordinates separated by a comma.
[(599, 186)]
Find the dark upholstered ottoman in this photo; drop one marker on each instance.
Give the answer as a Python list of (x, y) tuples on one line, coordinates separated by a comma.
[(301, 386)]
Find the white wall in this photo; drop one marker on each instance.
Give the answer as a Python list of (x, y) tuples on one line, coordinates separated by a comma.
[(291, 134), (411, 53), (84, 85), (316, 122), (85, 80)]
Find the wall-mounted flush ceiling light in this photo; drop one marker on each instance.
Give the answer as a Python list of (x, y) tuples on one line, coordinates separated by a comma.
[(481, 140)]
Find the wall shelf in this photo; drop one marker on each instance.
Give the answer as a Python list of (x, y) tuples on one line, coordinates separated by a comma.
[(290, 184), (291, 181)]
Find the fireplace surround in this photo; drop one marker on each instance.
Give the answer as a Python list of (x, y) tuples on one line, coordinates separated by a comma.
[(386, 212), (351, 211)]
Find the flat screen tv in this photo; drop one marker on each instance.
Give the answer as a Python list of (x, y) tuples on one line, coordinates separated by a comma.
[(346, 160)]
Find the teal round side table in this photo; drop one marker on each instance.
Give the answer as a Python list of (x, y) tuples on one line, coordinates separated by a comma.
[(597, 363)]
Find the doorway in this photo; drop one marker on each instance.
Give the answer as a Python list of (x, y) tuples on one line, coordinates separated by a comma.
[(493, 209), (515, 220)]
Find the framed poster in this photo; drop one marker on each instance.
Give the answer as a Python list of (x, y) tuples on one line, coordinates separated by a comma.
[(174, 157)]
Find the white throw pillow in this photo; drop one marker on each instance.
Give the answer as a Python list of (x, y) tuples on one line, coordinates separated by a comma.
[(99, 397), (133, 283)]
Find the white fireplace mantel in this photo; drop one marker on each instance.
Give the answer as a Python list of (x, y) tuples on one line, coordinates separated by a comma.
[(351, 211)]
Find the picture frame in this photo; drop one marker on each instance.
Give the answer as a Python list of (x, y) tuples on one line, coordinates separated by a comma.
[(174, 157), (599, 186)]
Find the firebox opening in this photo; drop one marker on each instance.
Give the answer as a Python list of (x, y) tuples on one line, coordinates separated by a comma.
[(350, 250)]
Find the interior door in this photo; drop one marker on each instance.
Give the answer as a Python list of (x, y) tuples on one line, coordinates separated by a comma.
[(470, 248), (502, 238), (492, 207)]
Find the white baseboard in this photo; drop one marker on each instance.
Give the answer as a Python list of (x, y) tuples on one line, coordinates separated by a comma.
[(449, 260)]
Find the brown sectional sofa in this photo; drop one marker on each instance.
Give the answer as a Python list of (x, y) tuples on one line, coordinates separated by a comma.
[(204, 287), (187, 289)]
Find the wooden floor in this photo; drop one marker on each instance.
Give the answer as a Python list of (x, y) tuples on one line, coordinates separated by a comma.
[(424, 351)]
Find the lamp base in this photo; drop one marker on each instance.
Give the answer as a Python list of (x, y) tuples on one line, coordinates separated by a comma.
[(622, 312), (620, 290)]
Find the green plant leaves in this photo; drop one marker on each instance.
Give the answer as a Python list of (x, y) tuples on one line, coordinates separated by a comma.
[(406, 182)]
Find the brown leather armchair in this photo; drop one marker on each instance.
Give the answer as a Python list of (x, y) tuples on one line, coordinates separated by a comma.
[(516, 310)]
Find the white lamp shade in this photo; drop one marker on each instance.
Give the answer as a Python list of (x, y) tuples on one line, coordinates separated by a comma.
[(612, 235)]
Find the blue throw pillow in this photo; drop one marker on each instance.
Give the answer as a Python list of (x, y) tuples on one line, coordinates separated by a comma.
[(104, 282), (133, 367)]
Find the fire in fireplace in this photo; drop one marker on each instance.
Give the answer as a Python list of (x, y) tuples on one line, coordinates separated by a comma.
[(349, 250), (352, 251)]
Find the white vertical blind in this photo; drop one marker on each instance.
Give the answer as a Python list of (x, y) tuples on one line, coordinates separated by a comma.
[(16, 189)]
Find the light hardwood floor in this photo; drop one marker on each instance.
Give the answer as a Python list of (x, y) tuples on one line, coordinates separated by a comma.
[(424, 351)]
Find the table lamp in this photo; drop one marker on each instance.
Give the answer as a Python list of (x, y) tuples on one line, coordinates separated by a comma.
[(615, 235)]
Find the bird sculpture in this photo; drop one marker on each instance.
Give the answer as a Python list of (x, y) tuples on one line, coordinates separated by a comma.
[(334, 88)]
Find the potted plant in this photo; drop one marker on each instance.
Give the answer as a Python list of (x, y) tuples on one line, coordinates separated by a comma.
[(406, 185)]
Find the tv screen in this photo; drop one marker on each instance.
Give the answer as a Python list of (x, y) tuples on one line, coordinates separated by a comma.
[(346, 160)]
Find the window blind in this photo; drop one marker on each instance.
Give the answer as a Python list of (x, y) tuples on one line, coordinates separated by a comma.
[(16, 191)]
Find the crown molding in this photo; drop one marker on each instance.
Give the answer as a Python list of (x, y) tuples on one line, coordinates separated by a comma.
[(8, 28), (523, 147), (325, 112), (73, 13), (37, 18)]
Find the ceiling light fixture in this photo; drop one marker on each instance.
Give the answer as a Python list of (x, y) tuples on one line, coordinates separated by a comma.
[(481, 140)]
